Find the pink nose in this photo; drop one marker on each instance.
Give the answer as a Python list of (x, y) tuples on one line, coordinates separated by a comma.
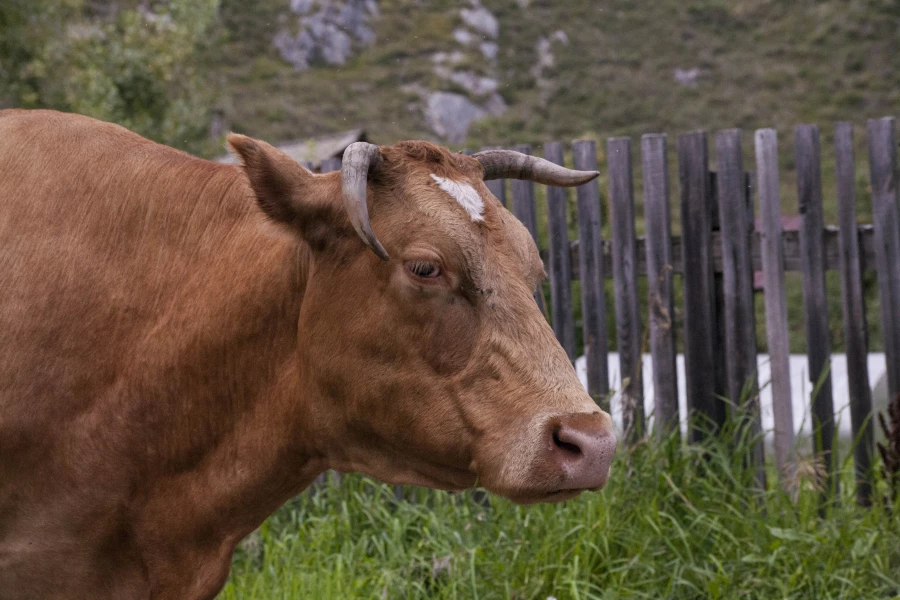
[(583, 444)]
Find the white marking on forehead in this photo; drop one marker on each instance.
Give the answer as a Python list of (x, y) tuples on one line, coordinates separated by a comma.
[(465, 194)]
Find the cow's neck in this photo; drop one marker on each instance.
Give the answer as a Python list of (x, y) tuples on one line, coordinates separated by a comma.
[(228, 430)]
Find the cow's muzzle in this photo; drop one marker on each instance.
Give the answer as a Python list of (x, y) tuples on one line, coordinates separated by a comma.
[(581, 447)]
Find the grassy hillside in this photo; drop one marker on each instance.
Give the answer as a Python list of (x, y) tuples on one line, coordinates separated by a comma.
[(757, 63), (761, 63)]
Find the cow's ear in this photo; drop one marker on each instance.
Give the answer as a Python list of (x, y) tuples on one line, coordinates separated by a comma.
[(284, 189)]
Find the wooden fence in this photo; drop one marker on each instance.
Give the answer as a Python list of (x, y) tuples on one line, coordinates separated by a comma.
[(716, 255)]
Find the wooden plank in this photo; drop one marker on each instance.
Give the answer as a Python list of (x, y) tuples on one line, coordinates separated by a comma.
[(524, 208), (772, 254), (854, 313), (624, 252), (720, 376), (496, 186), (883, 170), (737, 279), (809, 193), (590, 264), (659, 288), (698, 293), (331, 164), (560, 270), (790, 248)]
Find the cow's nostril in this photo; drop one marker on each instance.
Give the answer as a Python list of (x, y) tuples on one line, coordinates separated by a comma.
[(582, 449), (564, 445)]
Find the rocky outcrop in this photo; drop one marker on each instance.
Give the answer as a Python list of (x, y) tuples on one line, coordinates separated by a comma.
[(449, 115), (466, 84), (325, 30), (469, 67), (544, 63)]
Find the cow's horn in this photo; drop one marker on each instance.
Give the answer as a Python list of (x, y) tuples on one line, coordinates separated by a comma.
[(509, 164), (359, 159)]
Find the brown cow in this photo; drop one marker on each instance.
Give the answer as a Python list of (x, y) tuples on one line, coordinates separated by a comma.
[(185, 345)]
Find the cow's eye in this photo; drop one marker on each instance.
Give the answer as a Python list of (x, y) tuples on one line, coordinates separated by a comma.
[(424, 269)]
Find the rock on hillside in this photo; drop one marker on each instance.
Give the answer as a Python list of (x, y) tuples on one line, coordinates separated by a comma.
[(464, 82), (324, 30)]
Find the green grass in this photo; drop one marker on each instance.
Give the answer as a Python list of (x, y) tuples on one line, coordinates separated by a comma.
[(673, 522)]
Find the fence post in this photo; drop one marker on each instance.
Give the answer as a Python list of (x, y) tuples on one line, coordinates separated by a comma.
[(883, 168), (737, 276), (330, 164), (560, 266), (523, 207), (812, 250), (659, 281), (854, 312), (696, 227), (719, 374), (772, 251), (590, 267), (624, 252)]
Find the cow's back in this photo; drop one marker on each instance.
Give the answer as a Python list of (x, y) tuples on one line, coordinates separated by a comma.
[(95, 223)]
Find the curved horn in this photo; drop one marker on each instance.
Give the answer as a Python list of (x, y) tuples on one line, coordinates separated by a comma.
[(509, 164), (359, 159)]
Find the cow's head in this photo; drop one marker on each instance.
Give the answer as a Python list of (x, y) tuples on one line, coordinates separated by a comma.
[(424, 355)]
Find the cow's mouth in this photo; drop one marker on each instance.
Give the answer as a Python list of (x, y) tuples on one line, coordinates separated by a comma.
[(561, 495), (535, 497)]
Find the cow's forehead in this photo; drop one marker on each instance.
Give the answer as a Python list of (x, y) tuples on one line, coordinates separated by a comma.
[(496, 244), (448, 190)]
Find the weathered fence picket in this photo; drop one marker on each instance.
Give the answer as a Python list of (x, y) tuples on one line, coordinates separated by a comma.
[(591, 266), (560, 269), (719, 375), (739, 315), (696, 247), (624, 252), (809, 194), (659, 281), (773, 266), (525, 209), (854, 312), (883, 170)]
